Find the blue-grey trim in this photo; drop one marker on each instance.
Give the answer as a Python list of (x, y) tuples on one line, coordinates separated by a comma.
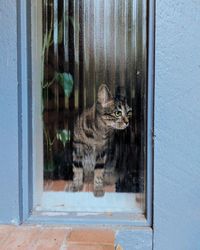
[(25, 130), (150, 111), (115, 219), (177, 126), (9, 161), (134, 239), (24, 107), (20, 133)]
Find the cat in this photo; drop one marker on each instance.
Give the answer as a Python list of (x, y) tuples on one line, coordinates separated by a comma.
[(93, 137)]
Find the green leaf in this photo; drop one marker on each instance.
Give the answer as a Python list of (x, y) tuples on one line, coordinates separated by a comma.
[(63, 136), (66, 82)]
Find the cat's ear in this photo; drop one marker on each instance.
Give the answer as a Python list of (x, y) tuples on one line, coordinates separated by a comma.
[(104, 95)]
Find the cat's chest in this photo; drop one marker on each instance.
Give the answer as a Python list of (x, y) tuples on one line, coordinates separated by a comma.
[(99, 143)]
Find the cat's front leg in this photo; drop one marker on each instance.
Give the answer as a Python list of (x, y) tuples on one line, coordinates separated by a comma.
[(99, 182), (77, 179)]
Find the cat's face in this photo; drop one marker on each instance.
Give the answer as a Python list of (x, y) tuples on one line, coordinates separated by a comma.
[(114, 113)]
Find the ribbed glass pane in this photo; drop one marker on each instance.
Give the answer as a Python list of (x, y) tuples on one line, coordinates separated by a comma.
[(94, 49)]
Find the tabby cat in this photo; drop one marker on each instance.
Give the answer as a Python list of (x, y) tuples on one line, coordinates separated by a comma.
[(93, 136)]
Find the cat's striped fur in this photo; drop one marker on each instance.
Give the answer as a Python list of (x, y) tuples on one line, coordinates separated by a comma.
[(93, 135)]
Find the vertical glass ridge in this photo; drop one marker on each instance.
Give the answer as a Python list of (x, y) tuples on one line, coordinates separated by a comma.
[(90, 42)]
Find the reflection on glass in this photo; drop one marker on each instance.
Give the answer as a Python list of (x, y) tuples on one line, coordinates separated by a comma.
[(93, 90)]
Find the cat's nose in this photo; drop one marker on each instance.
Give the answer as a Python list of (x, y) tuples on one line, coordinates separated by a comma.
[(126, 121)]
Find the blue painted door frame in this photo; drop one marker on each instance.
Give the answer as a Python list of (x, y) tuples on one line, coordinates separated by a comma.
[(9, 150), (176, 202)]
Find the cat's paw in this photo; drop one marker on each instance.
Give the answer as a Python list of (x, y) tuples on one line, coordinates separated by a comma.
[(77, 184), (98, 183), (76, 187), (99, 192)]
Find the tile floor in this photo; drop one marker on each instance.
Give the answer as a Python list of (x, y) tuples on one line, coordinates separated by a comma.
[(62, 185), (39, 237), (52, 238)]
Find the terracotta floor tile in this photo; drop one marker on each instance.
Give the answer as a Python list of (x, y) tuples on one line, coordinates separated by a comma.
[(58, 185), (21, 238), (89, 247), (51, 239), (54, 238), (5, 232), (47, 185), (62, 185), (108, 247), (92, 236)]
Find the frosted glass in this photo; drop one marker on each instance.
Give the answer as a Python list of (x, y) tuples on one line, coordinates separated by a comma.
[(88, 43)]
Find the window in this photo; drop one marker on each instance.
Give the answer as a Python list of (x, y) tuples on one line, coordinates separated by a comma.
[(90, 102)]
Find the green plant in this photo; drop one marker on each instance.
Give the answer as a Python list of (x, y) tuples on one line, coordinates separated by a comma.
[(63, 136), (62, 79)]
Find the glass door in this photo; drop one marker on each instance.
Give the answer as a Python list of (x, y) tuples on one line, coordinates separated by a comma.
[(92, 90)]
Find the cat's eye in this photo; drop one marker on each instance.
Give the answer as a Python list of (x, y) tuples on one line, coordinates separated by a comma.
[(129, 113), (118, 113)]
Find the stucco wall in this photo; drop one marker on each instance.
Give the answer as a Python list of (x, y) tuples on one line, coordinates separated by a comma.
[(9, 188), (177, 125)]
